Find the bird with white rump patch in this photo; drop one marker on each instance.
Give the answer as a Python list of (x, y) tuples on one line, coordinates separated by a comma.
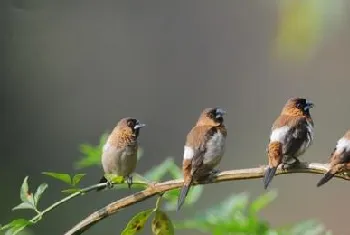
[(291, 134)]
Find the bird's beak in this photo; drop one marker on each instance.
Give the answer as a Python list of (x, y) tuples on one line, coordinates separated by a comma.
[(139, 125), (220, 113), (309, 105)]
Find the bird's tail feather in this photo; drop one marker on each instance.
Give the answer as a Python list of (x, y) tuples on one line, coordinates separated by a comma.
[(184, 191), (327, 177), (269, 174), (102, 180)]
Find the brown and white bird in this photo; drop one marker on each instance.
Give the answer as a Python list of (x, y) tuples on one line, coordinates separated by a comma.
[(204, 148), (340, 159), (291, 134), (119, 154)]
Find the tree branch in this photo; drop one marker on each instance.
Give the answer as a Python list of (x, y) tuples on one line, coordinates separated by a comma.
[(158, 188)]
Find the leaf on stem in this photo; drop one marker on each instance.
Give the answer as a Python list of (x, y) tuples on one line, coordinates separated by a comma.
[(60, 176), (26, 197), (77, 178), (161, 224), (38, 193), (137, 223)]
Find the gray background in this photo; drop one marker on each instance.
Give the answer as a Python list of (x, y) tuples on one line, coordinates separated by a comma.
[(71, 69)]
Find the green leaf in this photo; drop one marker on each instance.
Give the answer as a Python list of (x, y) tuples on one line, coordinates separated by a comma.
[(262, 201), (115, 179), (71, 190), (231, 212), (77, 178), (25, 195), (158, 172), (161, 224), (39, 191), (17, 223), (25, 190), (137, 223), (60, 176), (91, 153), (24, 205)]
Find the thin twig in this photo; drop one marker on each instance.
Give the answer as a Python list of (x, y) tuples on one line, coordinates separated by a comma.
[(159, 188), (63, 200), (81, 192)]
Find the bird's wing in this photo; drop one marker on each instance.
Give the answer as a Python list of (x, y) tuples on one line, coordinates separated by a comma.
[(198, 139)]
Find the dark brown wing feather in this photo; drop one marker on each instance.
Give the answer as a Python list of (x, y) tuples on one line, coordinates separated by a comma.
[(296, 136), (199, 137)]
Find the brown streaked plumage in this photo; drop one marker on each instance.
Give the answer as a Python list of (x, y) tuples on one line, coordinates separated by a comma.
[(204, 148), (291, 135), (339, 161), (119, 154)]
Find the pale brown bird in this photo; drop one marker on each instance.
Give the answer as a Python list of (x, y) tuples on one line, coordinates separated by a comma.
[(340, 159), (204, 148), (119, 154), (291, 134)]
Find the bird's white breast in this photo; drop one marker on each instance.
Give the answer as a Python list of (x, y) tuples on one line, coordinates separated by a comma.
[(215, 149), (343, 145)]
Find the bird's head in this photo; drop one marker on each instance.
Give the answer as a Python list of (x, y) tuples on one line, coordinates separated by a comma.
[(211, 117), (298, 107), (130, 126)]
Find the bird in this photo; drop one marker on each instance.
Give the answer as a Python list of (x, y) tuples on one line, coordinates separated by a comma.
[(203, 150), (119, 154), (339, 160), (291, 134)]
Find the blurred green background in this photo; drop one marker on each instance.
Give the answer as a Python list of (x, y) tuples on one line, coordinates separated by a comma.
[(71, 69)]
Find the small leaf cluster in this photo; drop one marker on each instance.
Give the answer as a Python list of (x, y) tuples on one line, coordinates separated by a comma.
[(30, 201), (66, 178), (161, 224), (236, 215)]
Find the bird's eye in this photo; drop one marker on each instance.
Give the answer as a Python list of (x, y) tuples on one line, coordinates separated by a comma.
[(130, 123)]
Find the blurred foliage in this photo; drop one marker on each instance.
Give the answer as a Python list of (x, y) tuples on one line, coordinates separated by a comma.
[(235, 215), (304, 24), (91, 153)]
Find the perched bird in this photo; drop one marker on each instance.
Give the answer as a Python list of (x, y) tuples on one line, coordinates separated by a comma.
[(119, 154), (340, 159), (204, 148), (291, 134)]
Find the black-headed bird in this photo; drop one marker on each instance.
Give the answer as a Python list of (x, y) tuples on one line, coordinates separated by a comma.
[(204, 148), (339, 160), (119, 154), (291, 134)]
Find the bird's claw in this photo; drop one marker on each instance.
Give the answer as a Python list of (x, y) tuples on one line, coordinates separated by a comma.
[(283, 166), (215, 172), (129, 181), (109, 184)]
